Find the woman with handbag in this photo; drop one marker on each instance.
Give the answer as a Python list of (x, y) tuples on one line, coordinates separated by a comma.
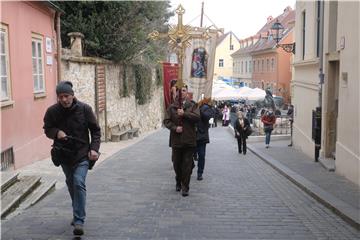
[(268, 120), (242, 129)]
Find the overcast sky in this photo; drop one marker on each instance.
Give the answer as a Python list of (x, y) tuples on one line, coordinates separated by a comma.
[(242, 17)]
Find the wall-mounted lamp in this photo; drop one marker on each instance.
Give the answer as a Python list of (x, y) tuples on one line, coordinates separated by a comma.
[(277, 30)]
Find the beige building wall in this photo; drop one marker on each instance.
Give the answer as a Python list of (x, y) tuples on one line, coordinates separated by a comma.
[(242, 68), (340, 95), (341, 98), (223, 52)]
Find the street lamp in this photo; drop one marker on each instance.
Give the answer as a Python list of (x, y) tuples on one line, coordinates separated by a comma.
[(277, 30)]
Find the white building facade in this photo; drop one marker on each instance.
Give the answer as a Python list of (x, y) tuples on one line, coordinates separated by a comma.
[(327, 44)]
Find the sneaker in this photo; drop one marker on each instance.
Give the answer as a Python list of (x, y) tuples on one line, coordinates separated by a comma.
[(78, 230), (199, 177), (185, 193), (267, 145), (178, 187), (72, 223), (244, 153)]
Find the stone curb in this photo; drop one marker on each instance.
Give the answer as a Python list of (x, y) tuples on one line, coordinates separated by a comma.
[(339, 207)]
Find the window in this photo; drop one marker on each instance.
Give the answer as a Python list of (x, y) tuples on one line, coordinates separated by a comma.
[(250, 67), (246, 66), (318, 4), (267, 65), (262, 66), (303, 34), (231, 47), (242, 66), (221, 62), (272, 64), (37, 64), (254, 65), (4, 57)]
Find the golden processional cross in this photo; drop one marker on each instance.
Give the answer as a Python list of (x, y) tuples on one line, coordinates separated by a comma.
[(179, 39)]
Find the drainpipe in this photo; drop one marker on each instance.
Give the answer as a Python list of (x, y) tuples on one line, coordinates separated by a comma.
[(58, 39), (318, 110), (321, 52)]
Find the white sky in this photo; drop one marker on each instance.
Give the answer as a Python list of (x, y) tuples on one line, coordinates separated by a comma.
[(242, 17)]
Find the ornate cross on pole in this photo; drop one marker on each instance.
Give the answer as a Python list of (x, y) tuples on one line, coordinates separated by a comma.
[(179, 39)]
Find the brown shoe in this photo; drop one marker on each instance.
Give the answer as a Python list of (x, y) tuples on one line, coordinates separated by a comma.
[(78, 230)]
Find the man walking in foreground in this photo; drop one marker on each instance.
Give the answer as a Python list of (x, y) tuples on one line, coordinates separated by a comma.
[(68, 123)]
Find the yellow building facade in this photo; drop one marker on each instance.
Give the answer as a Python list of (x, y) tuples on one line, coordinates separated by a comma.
[(227, 44)]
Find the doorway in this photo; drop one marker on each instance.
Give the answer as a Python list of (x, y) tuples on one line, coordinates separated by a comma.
[(332, 109)]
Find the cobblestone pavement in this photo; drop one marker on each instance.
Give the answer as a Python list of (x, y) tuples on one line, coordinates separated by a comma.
[(132, 196)]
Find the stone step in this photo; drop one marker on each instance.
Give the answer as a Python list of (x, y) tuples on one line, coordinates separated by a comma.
[(7, 179), (45, 188), (12, 197)]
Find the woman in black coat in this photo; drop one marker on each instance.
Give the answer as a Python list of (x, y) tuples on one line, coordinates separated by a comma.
[(241, 128)]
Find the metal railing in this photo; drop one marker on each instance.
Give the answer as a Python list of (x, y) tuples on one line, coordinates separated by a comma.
[(7, 159)]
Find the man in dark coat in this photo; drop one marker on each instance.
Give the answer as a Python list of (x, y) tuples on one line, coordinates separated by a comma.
[(68, 123), (202, 134), (181, 120)]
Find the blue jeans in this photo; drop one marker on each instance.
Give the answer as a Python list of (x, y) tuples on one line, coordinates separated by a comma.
[(201, 149), (267, 137), (75, 181)]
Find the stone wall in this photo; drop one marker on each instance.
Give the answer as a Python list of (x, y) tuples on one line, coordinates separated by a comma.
[(122, 111)]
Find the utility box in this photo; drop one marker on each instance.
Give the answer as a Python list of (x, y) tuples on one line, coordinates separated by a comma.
[(316, 131)]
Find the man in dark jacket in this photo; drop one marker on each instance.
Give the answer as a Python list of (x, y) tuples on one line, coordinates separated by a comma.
[(202, 135), (181, 120), (68, 123)]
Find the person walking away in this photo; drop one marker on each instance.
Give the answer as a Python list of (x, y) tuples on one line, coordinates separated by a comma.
[(68, 123), (181, 120), (202, 134), (268, 120), (241, 128), (290, 114), (226, 115)]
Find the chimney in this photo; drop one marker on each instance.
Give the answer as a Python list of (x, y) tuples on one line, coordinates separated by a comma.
[(76, 43)]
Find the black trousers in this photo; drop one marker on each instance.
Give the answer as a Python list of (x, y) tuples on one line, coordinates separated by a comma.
[(241, 144), (182, 159)]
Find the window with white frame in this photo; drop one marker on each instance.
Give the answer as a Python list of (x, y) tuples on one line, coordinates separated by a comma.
[(38, 64), (221, 62), (4, 57)]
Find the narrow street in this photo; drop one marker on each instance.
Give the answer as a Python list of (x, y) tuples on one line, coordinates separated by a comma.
[(132, 196)]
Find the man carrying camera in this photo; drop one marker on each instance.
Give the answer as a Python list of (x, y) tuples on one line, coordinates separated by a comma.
[(68, 123)]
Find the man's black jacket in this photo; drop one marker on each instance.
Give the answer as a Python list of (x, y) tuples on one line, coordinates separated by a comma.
[(75, 121)]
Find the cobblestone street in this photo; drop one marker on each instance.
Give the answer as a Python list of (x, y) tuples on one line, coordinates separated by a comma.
[(132, 196)]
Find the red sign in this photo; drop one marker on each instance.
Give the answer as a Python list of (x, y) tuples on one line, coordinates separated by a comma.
[(170, 72)]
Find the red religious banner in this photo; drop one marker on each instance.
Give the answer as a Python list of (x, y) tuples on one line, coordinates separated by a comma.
[(170, 72)]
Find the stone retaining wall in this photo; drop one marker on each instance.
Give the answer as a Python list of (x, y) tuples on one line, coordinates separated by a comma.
[(119, 110)]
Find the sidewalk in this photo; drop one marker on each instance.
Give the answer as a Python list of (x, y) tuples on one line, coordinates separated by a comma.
[(329, 188)]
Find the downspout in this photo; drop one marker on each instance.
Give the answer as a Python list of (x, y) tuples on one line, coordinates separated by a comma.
[(318, 110), (321, 53), (58, 39)]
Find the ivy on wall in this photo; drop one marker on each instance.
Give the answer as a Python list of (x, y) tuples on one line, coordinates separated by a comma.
[(125, 88), (142, 76)]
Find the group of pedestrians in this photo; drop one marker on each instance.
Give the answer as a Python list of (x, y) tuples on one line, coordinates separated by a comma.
[(76, 134)]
